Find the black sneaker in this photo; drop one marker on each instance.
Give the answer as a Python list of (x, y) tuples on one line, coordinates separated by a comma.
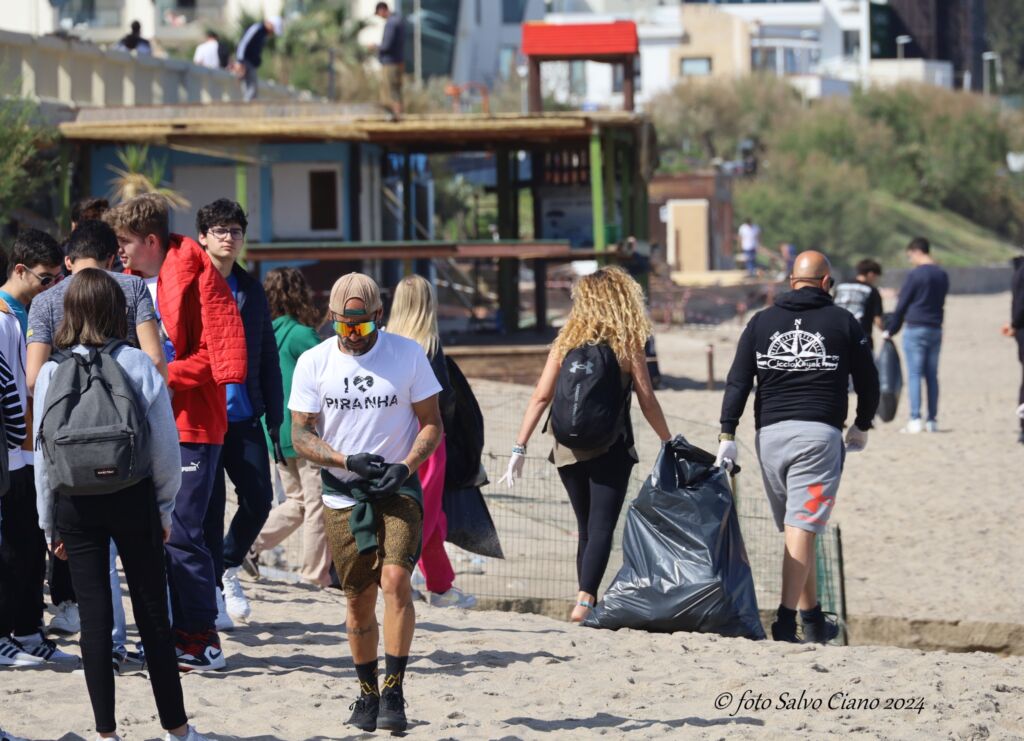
[(822, 631), (364, 713), (787, 635), (119, 657), (251, 564), (392, 712)]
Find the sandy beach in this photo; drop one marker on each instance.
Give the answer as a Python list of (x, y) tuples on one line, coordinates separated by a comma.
[(489, 675), (931, 532)]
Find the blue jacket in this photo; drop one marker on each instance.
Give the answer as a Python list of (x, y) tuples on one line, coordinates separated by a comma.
[(263, 382), (922, 299), (392, 46), (250, 48)]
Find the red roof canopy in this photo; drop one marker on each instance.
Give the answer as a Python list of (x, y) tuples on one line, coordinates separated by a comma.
[(579, 40)]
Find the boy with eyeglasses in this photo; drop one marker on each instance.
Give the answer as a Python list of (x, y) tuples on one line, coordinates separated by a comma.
[(221, 228), (205, 346), (364, 406)]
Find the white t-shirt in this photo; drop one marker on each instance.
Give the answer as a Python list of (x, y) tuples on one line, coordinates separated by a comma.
[(12, 347), (749, 237), (364, 401), (207, 54)]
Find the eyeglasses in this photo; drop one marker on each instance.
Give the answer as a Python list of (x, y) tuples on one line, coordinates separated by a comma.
[(362, 329), (221, 233), (46, 279)]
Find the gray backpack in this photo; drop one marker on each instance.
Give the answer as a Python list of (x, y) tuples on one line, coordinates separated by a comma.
[(94, 437)]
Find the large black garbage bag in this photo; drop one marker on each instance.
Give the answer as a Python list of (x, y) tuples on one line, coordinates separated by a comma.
[(464, 434), (684, 563), (890, 380), (470, 526)]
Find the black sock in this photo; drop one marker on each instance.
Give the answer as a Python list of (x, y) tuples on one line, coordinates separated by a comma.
[(785, 617), (814, 615), (367, 674), (394, 672)]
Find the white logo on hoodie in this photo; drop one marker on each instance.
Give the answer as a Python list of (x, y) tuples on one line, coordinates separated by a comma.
[(797, 351)]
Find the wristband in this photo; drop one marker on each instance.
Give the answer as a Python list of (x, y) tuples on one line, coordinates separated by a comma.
[(518, 449), (726, 437)]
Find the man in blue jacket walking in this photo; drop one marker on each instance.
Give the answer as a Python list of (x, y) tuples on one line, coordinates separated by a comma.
[(249, 54), (921, 307), (391, 54), (221, 226)]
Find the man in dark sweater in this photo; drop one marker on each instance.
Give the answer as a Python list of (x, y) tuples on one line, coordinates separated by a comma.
[(391, 54), (921, 307), (1015, 329), (801, 351), (249, 54)]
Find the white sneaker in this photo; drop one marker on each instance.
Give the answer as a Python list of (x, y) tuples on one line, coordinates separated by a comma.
[(41, 646), (931, 426), (12, 653), (5, 736), (418, 581), (234, 596), (914, 427), (454, 597), (66, 620), (224, 623), (191, 735)]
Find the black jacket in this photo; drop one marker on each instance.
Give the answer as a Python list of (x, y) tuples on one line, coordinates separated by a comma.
[(1017, 310), (263, 382), (802, 351), (250, 47)]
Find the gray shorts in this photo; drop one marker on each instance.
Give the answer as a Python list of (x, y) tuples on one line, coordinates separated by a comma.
[(801, 463)]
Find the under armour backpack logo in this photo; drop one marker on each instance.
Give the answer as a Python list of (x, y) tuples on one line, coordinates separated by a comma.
[(588, 367)]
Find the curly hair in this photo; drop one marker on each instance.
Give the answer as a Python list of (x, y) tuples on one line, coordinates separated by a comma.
[(222, 212), (289, 294), (607, 307)]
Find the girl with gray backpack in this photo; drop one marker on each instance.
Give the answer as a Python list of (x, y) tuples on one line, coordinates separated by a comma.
[(108, 467)]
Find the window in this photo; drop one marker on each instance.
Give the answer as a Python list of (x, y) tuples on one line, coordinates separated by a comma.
[(851, 44), (619, 75), (762, 59), (323, 200), (695, 66), (578, 78), (513, 11), (507, 62)]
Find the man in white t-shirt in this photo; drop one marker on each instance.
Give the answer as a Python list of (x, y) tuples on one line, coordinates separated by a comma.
[(364, 407), (750, 240)]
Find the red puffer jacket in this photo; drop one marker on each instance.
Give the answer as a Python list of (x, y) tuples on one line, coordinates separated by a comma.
[(201, 320)]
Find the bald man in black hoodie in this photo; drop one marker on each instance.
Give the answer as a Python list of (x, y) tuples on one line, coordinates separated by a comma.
[(801, 351)]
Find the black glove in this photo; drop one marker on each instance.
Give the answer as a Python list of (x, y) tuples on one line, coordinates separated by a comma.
[(274, 433), (365, 465), (395, 474)]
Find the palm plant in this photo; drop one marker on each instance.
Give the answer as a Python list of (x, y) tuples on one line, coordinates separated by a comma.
[(138, 174)]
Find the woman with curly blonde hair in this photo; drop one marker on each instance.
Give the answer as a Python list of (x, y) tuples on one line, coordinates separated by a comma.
[(607, 312)]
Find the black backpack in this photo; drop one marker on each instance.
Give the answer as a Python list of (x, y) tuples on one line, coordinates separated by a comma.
[(94, 436), (589, 399)]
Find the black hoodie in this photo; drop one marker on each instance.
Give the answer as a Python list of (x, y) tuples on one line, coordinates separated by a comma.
[(1017, 309), (802, 350)]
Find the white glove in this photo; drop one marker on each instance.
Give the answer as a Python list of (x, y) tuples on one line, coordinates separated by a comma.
[(515, 470), (886, 335), (856, 439), (728, 454), (1020, 411)]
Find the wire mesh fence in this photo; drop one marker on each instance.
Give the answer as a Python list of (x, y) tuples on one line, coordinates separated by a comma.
[(538, 529)]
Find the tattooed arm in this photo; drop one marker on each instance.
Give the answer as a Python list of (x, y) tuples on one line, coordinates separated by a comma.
[(308, 443), (429, 415)]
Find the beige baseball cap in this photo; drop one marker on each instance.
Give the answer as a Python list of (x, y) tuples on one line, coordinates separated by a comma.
[(355, 285)]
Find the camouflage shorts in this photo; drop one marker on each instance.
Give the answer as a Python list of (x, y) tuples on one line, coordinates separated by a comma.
[(399, 531)]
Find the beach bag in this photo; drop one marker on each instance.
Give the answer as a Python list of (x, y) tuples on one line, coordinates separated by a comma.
[(685, 566), (589, 399), (470, 526), (890, 380), (464, 434), (93, 435)]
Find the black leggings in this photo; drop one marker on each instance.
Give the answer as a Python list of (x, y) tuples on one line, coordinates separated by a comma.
[(1020, 356), (86, 524), (22, 557), (597, 489)]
